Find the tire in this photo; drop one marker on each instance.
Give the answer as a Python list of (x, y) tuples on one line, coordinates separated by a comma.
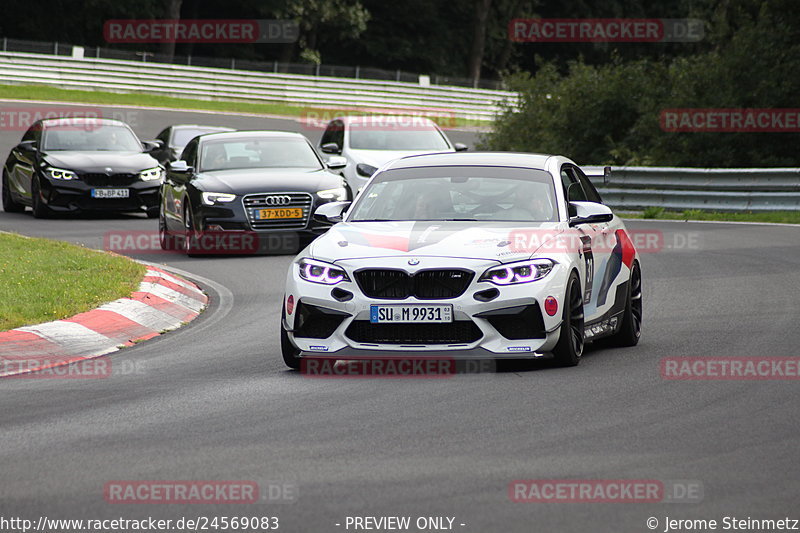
[(9, 205), (631, 329), (152, 212), (165, 238), (288, 350), (39, 209), (570, 344), (189, 232)]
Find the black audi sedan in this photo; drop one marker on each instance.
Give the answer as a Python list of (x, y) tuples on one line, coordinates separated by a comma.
[(247, 192), (77, 164)]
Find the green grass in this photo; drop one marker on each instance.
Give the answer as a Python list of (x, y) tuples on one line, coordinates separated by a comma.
[(43, 92), (783, 217), (43, 280)]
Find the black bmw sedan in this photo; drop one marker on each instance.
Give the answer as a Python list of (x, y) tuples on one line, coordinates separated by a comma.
[(81, 164), (247, 192)]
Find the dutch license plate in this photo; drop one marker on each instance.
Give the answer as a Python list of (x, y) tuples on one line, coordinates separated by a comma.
[(110, 193), (287, 212), (381, 314)]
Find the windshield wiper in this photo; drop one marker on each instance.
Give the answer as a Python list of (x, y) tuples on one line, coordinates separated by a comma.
[(374, 220)]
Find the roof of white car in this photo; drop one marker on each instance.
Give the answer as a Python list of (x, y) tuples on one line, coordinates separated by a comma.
[(502, 159)]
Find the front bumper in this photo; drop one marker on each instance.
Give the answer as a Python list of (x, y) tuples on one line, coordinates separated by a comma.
[(506, 322), (76, 195)]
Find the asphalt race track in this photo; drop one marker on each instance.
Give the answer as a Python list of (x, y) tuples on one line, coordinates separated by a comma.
[(213, 401)]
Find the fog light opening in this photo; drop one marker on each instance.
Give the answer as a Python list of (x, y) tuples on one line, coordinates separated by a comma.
[(551, 306)]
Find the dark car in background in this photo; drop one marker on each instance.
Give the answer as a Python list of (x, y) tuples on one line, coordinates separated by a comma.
[(175, 138), (259, 183), (67, 165)]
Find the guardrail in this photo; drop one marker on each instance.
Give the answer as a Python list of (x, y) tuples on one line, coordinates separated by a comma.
[(250, 86), (726, 189)]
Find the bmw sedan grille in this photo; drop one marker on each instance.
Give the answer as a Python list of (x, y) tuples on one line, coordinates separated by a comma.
[(254, 204)]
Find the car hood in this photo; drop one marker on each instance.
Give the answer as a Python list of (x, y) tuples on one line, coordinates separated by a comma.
[(490, 241), (101, 162), (377, 158), (256, 180)]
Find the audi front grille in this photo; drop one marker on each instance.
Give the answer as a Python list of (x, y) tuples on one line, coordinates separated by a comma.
[(433, 284), (253, 203)]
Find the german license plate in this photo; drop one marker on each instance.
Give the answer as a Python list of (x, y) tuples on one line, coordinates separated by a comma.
[(382, 314), (286, 212), (110, 193)]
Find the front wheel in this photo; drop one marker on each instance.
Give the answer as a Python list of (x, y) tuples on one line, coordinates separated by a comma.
[(569, 349), (40, 210), (152, 212), (631, 329), (190, 238), (9, 205)]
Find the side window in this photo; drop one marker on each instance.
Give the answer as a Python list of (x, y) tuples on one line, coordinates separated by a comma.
[(573, 193), (190, 154), (588, 187), (163, 137), (33, 133), (334, 134)]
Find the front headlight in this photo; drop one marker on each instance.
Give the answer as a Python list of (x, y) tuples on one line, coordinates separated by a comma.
[(319, 272), (523, 272), (211, 198), (155, 173), (337, 195), (61, 174)]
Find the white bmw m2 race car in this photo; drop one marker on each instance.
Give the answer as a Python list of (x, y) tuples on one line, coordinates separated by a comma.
[(465, 255)]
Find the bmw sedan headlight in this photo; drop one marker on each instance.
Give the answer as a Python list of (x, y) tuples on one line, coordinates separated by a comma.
[(61, 174), (337, 195), (320, 272), (523, 272), (211, 198), (155, 173)]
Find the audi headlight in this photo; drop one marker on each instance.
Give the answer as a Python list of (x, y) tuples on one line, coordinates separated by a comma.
[(514, 273), (155, 173), (211, 198), (319, 272), (337, 195), (61, 174)]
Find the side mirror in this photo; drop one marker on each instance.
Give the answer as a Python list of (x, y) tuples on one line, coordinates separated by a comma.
[(365, 170), (589, 213), (460, 147), (330, 148), (179, 167), (152, 146), (336, 162), (331, 212), (27, 146)]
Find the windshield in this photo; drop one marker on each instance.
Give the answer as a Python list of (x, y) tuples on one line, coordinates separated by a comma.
[(458, 193), (396, 137), (257, 152), (90, 137)]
